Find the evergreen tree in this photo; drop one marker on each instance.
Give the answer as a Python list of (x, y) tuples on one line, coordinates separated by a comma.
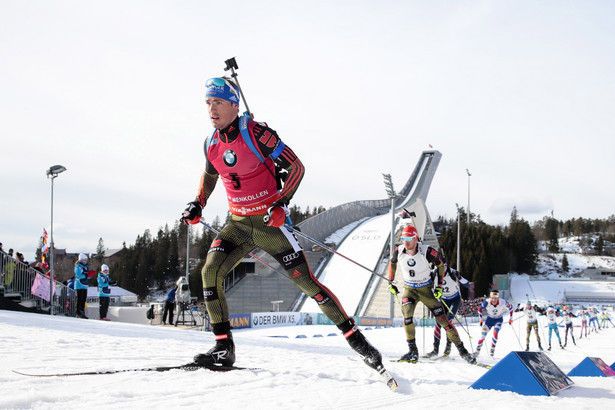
[(161, 265), (522, 244), (551, 228), (600, 245), (100, 252), (565, 266)]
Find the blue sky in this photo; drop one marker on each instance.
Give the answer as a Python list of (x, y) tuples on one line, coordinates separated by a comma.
[(521, 93)]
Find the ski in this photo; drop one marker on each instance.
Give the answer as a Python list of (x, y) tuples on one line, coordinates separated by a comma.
[(411, 361), (435, 360), (185, 367)]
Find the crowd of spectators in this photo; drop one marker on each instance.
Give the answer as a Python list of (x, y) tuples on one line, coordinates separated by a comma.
[(470, 307)]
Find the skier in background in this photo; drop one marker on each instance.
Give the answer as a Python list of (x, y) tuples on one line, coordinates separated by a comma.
[(494, 309), (593, 319), (451, 297), (568, 315), (413, 259), (553, 327), (604, 317), (584, 319), (531, 317)]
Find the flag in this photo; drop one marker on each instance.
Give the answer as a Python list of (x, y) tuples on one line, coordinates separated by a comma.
[(44, 248), (40, 287), (430, 146), (44, 263)]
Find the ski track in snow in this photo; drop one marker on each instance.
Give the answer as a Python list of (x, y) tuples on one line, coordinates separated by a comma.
[(297, 373)]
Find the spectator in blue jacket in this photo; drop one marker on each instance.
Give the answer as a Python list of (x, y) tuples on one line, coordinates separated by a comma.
[(104, 291), (82, 277), (169, 306)]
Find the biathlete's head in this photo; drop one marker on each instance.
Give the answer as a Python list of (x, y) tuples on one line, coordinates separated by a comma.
[(222, 99), (495, 297), (410, 237)]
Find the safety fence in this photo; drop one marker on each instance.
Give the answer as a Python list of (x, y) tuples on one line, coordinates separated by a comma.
[(30, 288)]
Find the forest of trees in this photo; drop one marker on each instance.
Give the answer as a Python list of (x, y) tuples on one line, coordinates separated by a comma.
[(488, 250), (154, 262)]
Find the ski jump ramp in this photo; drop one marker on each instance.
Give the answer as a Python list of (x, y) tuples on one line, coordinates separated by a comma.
[(366, 240)]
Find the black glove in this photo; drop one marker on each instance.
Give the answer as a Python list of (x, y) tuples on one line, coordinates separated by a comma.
[(192, 214), (437, 292), (393, 289)]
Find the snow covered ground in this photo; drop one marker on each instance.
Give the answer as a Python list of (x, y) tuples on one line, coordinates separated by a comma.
[(297, 373)]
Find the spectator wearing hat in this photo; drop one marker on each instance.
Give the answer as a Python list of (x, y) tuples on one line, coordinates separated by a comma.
[(82, 277), (104, 291)]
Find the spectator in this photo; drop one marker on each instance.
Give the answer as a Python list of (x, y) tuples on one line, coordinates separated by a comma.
[(104, 291), (21, 258), (2, 257), (82, 277), (9, 271), (169, 306)]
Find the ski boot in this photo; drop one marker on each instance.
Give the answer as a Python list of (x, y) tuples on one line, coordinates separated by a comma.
[(465, 355), (539, 347), (223, 353), (370, 355), (477, 352), (560, 345), (447, 349), (549, 349), (492, 350), (527, 348), (413, 353), (434, 352)]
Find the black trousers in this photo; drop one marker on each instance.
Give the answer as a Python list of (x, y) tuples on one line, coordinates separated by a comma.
[(169, 307), (82, 295), (103, 307)]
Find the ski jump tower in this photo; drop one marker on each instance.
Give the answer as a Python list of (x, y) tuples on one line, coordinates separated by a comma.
[(365, 237)]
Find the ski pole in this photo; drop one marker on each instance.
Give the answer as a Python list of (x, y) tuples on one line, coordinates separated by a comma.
[(455, 316), (519, 341), (465, 319), (231, 64), (322, 245), (214, 230)]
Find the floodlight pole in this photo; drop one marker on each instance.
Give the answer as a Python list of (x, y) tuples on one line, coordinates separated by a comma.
[(52, 173), (458, 238), (388, 184), (469, 175)]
